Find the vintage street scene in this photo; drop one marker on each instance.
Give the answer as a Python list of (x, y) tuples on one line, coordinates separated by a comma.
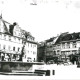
[(40, 38)]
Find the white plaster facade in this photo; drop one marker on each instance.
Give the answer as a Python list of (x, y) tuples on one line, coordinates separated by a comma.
[(30, 52), (68, 47), (11, 45)]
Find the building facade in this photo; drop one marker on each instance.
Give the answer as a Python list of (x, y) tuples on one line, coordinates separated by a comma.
[(30, 52), (47, 49), (62, 46), (67, 44), (16, 44), (41, 51)]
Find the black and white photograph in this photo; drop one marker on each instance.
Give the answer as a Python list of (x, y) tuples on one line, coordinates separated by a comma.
[(39, 39)]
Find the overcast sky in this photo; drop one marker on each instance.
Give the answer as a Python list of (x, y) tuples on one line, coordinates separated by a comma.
[(44, 20)]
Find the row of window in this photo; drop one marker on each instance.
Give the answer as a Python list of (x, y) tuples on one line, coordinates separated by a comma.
[(9, 48), (30, 38), (30, 59), (31, 52), (49, 54), (4, 36), (49, 43), (31, 45), (74, 45), (68, 52)]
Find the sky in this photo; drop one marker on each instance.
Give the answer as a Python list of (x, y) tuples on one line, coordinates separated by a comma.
[(46, 19)]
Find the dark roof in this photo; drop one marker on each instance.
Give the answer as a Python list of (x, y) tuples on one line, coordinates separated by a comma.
[(27, 33), (68, 37), (50, 40), (32, 42)]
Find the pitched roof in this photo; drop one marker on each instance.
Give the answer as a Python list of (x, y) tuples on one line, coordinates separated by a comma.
[(3, 24), (68, 37), (50, 40), (26, 33)]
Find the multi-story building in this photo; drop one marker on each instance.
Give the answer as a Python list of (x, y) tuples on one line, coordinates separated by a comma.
[(16, 43), (47, 49), (30, 52), (41, 51), (62, 46), (67, 44), (50, 48)]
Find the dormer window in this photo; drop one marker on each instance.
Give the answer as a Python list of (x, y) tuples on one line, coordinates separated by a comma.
[(9, 38), (4, 36)]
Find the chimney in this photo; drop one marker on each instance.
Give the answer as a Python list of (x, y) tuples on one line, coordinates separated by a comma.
[(11, 27)]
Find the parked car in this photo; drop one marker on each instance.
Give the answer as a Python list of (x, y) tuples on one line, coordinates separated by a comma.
[(59, 62), (51, 62), (66, 63)]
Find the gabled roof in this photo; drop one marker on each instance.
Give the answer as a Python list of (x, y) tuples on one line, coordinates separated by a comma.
[(68, 37), (4, 24)]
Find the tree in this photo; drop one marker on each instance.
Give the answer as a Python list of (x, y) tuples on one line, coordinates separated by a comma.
[(22, 53)]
